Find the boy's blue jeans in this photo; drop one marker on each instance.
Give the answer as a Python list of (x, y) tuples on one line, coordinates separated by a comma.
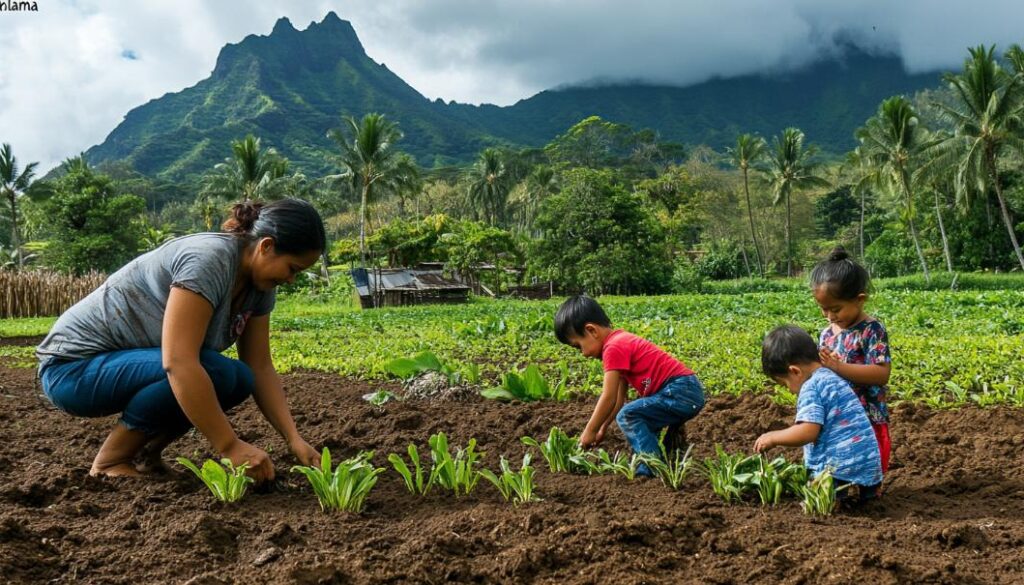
[(134, 383), (641, 420)]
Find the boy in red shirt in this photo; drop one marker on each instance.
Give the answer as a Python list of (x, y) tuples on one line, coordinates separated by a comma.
[(669, 392)]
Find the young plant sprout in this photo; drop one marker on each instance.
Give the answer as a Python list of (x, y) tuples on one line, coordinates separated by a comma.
[(414, 478), (768, 480), (563, 453), (618, 464), (513, 485), (730, 475), (820, 495), (670, 470), (226, 481), (347, 486), (453, 473)]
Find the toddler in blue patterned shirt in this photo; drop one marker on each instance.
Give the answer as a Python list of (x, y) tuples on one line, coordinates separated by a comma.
[(831, 424)]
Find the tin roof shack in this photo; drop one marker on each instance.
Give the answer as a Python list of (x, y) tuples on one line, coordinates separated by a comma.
[(393, 287)]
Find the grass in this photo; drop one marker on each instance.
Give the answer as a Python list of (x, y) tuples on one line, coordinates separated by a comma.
[(949, 347)]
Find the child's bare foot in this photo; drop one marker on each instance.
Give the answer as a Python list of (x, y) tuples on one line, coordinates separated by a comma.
[(115, 470)]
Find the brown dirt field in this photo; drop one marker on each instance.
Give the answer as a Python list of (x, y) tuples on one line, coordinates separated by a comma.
[(953, 511)]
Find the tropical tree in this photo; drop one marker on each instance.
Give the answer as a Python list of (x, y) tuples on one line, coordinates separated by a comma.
[(864, 181), (368, 160), (894, 143), (526, 200), (790, 169), (988, 117), (16, 183), (489, 186), (749, 149), (405, 182), (251, 172)]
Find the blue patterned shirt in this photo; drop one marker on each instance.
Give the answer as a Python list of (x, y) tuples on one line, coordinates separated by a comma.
[(846, 443)]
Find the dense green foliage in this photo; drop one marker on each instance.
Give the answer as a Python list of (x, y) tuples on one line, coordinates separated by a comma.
[(290, 87)]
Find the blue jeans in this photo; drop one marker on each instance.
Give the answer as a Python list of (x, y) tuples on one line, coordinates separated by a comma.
[(134, 383), (678, 400)]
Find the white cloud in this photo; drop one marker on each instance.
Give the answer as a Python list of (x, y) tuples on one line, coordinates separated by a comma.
[(65, 82)]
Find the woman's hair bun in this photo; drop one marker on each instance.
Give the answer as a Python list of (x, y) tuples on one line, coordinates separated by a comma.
[(838, 253), (243, 217)]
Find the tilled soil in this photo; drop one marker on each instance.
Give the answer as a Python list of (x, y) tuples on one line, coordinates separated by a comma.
[(953, 511)]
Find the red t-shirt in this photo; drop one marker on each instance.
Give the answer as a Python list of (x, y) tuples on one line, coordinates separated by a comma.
[(645, 365)]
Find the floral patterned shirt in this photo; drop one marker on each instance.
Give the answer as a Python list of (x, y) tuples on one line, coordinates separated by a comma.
[(864, 343)]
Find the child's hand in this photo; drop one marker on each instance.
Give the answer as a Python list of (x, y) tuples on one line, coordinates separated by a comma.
[(829, 358), (589, 438), (764, 442)]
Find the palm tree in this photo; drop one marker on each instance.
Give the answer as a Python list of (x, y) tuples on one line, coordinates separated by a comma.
[(368, 160), (865, 178), (988, 118), (489, 187), (894, 142), (749, 149), (790, 169), (405, 182), (14, 184), (250, 173)]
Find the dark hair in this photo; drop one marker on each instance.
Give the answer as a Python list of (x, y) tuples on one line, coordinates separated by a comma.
[(842, 275), (294, 224), (575, 313), (784, 346)]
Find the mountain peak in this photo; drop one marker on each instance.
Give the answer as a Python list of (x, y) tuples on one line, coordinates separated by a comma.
[(283, 25)]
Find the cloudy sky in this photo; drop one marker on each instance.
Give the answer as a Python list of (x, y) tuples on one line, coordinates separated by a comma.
[(70, 72)]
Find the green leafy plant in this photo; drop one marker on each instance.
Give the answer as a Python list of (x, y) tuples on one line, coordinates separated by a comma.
[(226, 481), (414, 478), (619, 463), (346, 487), (529, 385), (562, 453), (730, 475), (820, 495), (380, 397), (670, 470), (426, 361), (514, 485), (408, 367), (456, 472)]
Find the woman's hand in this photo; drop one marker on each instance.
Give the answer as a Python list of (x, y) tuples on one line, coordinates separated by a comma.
[(304, 452), (260, 467)]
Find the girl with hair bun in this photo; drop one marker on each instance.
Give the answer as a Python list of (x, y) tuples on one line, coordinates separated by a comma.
[(855, 345), (147, 343)]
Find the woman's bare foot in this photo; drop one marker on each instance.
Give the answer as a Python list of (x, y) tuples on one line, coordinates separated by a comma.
[(119, 449), (115, 470)]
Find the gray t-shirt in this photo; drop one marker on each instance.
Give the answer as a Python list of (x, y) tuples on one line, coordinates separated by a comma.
[(127, 311)]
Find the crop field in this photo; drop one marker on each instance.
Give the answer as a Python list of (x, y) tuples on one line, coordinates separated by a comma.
[(465, 488)]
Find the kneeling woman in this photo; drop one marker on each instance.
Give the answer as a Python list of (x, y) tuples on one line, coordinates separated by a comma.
[(147, 342)]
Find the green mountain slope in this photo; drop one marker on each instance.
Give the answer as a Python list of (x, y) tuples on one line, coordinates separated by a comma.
[(291, 86)]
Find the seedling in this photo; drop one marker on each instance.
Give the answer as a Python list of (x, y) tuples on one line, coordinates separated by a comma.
[(769, 482), (562, 453), (820, 495), (514, 485), (530, 385), (379, 398), (226, 481), (619, 463), (671, 471), (730, 475), (347, 486), (414, 479), (453, 473)]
